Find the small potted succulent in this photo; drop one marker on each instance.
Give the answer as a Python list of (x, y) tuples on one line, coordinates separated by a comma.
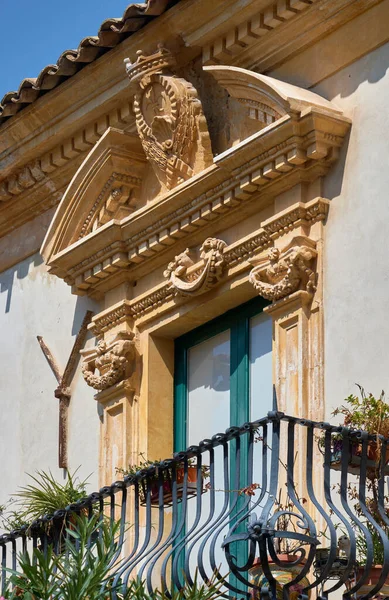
[(361, 413), (165, 475)]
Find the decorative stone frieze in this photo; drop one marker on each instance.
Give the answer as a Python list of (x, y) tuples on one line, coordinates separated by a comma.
[(111, 318), (169, 119), (287, 271), (114, 361), (302, 214), (239, 255), (187, 282)]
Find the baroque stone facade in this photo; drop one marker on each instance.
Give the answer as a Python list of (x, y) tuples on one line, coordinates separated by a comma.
[(165, 189)]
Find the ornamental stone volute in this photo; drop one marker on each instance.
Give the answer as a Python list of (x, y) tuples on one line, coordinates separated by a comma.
[(286, 271)]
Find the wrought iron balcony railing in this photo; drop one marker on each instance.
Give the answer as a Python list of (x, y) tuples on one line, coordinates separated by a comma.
[(281, 504)]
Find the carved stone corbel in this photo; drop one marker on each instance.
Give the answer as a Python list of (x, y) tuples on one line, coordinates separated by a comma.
[(188, 282), (169, 119), (286, 271), (114, 361)]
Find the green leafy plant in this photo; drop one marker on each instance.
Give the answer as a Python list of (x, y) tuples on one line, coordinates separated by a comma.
[(45, 495), (87, 571), (365, 412), (371, 414), (77, 573), (145, 463)]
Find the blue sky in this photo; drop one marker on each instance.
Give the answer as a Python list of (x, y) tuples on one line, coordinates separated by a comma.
[(34, 33)]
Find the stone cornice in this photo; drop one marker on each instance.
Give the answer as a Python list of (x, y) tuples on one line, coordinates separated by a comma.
[(254, 42), (236, 257), (43, 176), (228, 48)]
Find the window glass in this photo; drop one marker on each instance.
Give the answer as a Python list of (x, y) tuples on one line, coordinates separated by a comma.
[(208, 388), (261, 380)]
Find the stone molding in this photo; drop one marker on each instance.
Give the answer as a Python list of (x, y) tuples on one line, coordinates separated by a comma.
[(191, 282), (240, 254), (105, 188), (284, 272), (254, 42), (112, 361), (169, 119), (301, 213), (36, 171), (110, 318), (239, 37)]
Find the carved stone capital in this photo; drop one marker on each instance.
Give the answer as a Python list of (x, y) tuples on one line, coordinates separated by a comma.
[(114, 361), (191, 282), (286, 271), (169, 119)]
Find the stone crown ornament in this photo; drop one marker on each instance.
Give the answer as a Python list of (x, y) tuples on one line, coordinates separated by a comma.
[(169, 119), (147, 65), (191, 282), (283, 273), (113, 361)]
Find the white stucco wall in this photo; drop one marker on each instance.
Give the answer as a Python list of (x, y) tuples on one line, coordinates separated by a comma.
[(32, 303), (356, 290)]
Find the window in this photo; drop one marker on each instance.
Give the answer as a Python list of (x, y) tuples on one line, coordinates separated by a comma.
[(223, 374)]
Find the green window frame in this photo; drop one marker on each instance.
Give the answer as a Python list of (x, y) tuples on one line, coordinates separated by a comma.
[(237, 321)]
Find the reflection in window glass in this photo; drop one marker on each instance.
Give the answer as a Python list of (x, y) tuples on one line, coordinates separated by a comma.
[(261, 380), (209, 388)]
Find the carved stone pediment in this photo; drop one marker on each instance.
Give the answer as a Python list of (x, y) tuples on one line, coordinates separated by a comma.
[(105, 187), (283, 272), (169, 119), (93, 248)]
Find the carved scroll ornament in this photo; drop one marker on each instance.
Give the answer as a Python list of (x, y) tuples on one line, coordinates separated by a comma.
[(286, 272), (169, 119), (113, 362), (199, 280)]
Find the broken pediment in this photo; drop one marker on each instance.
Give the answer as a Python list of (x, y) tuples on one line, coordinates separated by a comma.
[(115, 224), (266, 99), (106, 186)]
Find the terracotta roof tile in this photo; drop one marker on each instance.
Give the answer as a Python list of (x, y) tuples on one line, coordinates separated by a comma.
[(110, 34)]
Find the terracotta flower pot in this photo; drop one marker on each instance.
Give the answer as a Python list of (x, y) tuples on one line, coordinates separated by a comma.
[(371, 582), (373, 456), (168, 487), (283, 574)]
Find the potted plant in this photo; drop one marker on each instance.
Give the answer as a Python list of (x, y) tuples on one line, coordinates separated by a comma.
[(165, 475), (44, 496), (370, 414), (290, 562), (361, 413)]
